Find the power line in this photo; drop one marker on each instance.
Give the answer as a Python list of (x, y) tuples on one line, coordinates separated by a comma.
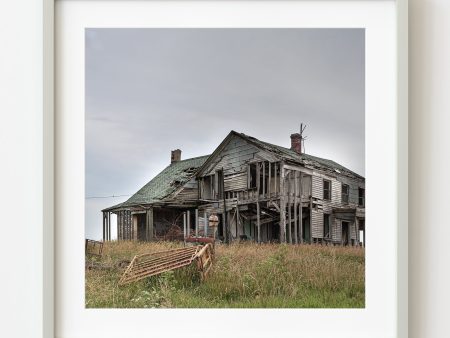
[(91, 197)]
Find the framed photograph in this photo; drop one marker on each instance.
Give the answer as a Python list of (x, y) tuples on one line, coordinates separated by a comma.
[(230, 167)]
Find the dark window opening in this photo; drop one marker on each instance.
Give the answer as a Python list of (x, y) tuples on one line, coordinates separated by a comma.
[(261, 178), (345, 193), (345, 233), (361, 197), (141, 227), (220, 184), (207, 187), (326, 190), (252, 176)]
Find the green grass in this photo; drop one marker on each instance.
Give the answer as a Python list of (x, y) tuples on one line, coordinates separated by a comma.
[(243, 276)]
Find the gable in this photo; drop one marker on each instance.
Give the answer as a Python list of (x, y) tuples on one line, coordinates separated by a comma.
[(233, 155)]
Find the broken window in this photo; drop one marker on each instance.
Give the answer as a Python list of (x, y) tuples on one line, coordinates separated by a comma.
[(220, 183), (326, 189), (252, 175), (207, 192), (261, 178), (345, 193), (326, 225), (361, 197)]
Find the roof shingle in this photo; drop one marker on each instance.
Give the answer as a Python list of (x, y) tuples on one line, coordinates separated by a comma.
[(165, 183)]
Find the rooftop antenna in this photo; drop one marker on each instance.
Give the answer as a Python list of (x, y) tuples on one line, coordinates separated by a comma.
[(302, 138)]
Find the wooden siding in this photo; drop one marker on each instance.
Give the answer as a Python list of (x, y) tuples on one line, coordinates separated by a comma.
[(187, 194), (317, 223), (234, 157), (337, 230), (236, 181), (306, 186), (317, 187)]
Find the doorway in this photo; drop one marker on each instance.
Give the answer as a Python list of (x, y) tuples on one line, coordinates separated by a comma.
[(141, 227), (306, 229), (345, 233)]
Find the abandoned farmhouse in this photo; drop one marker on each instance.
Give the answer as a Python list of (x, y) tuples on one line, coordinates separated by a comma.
[(258, 191)]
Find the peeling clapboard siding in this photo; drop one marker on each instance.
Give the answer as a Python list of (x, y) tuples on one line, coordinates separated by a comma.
[(236, 181), (317, 223), (337, 230), (317, 187), (306, 186), (187, 195), (235, 156)]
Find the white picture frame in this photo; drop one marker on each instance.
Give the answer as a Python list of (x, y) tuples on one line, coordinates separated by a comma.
[(49, 115)]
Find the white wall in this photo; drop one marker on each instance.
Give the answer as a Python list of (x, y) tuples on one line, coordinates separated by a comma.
[(429, 179), (21, 169)]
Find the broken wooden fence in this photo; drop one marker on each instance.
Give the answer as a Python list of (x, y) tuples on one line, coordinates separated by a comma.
[(151, 264), (94, 248)]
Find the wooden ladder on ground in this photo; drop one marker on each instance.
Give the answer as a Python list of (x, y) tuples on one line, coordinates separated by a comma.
[(152, 264)]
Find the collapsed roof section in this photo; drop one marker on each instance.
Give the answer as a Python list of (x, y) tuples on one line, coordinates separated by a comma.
[(166, 183)]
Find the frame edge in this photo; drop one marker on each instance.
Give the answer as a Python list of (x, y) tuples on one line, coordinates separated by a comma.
[(402, 169), (48, 169)]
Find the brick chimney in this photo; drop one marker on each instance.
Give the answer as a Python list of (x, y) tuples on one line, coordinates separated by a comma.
[(175, 156), (296, 143)]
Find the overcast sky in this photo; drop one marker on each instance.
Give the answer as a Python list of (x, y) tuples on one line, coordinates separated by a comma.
[(149, 91)]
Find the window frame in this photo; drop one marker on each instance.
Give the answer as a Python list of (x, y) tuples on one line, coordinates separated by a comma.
[(347, 194), (363, 197), (249, 176), (329, 190)]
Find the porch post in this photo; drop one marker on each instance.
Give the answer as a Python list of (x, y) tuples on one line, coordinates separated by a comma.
[(206, 224), (282, 205), (289, 176), (109, 225), (295, 206), (149, 224), (188, 224), (258, 223), (196, 222), (300, 210), (184, 226), (104, 228)]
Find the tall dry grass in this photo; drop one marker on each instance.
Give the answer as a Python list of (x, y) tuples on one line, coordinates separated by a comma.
[(243, 275)]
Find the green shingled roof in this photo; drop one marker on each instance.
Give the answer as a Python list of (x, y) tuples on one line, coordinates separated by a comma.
[(304, 159), (165, 183)]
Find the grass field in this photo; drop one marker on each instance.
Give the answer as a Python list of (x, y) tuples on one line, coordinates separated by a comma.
[(243, 276)]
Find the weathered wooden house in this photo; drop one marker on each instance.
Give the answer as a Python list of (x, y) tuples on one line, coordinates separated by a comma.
[(260, 192)]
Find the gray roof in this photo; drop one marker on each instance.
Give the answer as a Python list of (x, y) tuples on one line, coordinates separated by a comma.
[(165, 183), (303, 159)]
